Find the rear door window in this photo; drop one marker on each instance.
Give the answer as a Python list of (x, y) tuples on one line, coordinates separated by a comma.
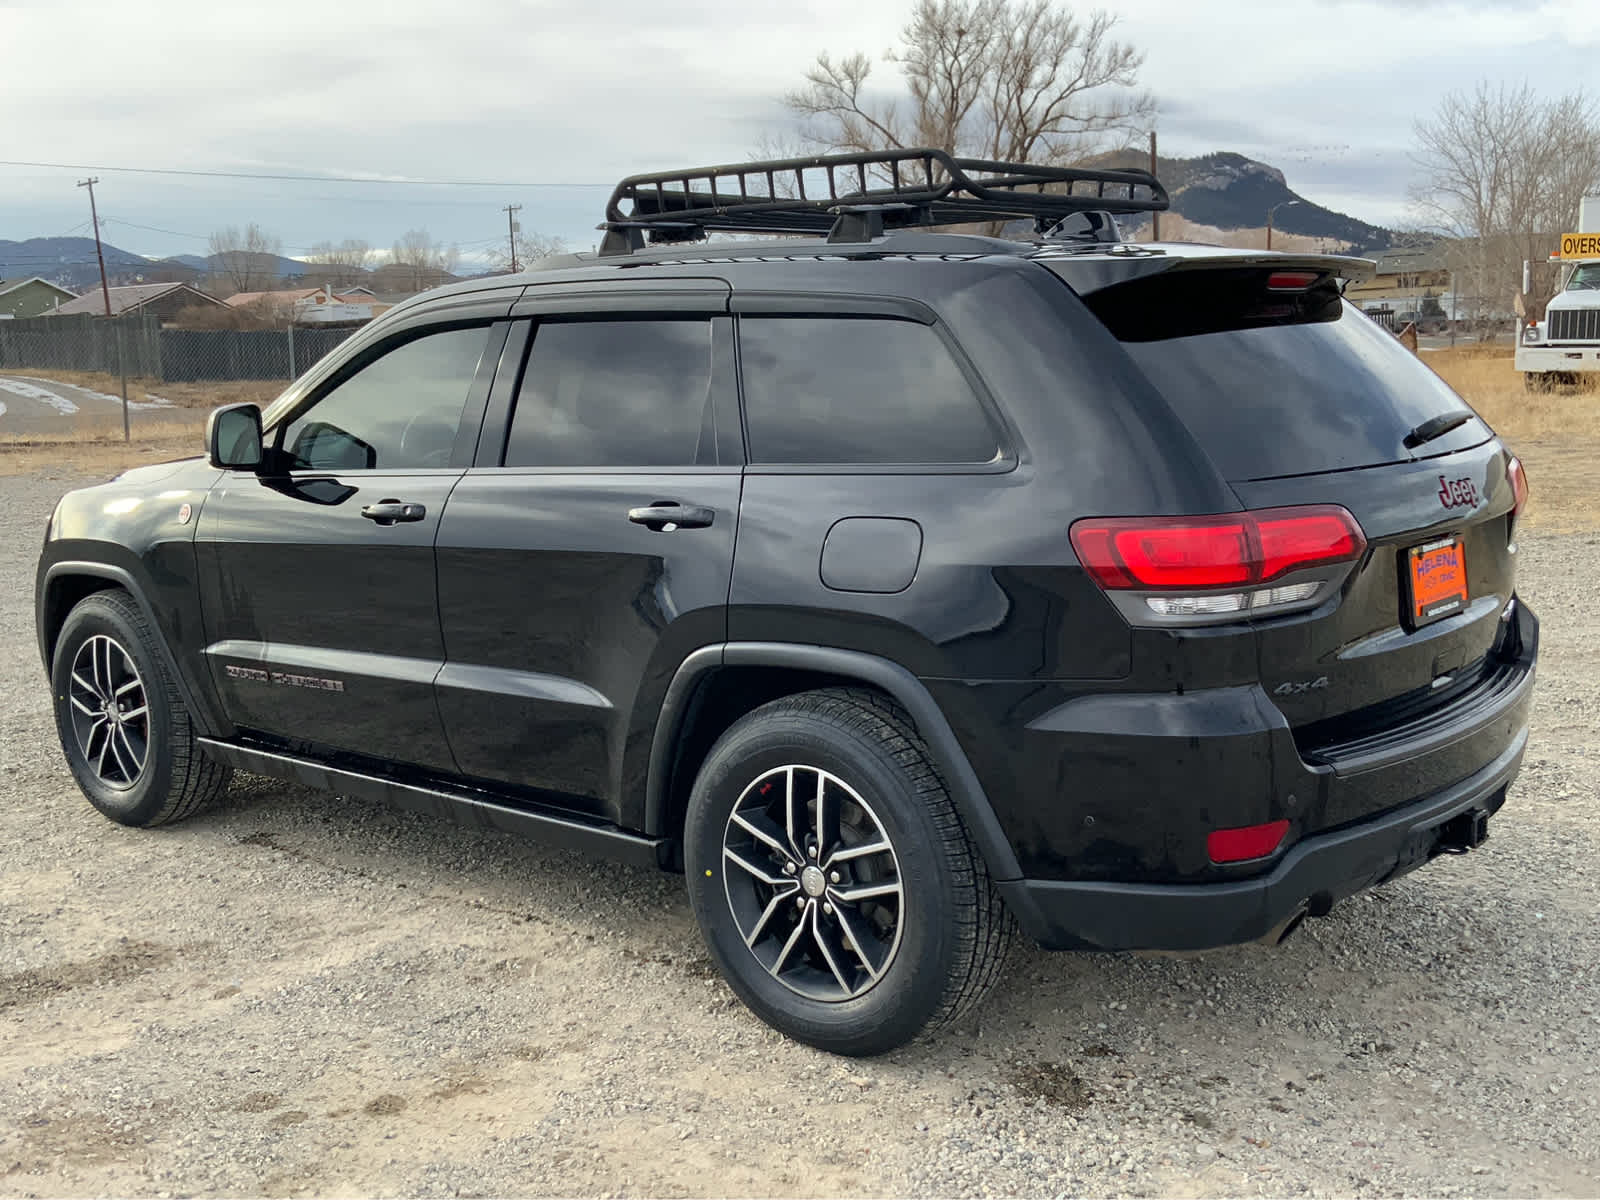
[(858, 390), (1279, 383), (615, 394)]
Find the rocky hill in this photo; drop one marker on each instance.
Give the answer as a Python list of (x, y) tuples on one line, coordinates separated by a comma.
[(1230, 192)]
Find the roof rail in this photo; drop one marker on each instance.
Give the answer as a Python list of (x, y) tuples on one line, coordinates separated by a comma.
[(854, 197)]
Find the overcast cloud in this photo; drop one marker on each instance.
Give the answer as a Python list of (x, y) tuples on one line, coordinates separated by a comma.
[(550, 92)]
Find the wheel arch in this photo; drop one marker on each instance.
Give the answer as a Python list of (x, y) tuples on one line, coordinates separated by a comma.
[(68, 583), (716, 685)]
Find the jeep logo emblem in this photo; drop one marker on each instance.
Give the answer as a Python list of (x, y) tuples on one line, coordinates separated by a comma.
[(1455, 492)]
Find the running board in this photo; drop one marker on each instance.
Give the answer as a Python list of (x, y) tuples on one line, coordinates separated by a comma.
[(465, 810)]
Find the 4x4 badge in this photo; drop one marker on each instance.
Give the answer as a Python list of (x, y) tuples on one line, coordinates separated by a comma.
[(1456, 492), (1297, 687)]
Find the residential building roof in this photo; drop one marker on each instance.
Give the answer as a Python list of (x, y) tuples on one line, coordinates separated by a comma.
[(129, 298), (11, 285), (1412, 260)]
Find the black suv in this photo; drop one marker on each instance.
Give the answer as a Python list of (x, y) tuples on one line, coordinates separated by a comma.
[(900, 588)]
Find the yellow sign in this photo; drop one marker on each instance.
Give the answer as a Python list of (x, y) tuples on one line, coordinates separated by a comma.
[(1580, 245)]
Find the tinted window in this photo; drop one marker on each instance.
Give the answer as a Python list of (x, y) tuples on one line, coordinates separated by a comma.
[(1275, 384), (399, 412), (615, 394), (857, 390)]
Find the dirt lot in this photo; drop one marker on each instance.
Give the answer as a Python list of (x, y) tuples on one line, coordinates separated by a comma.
[(299, 993)]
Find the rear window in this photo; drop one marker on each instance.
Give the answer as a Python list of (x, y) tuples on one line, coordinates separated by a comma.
[(1278, 383)]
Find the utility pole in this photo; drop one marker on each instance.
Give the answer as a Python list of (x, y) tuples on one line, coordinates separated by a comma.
[(105, 295), (511, 211), (94, 219), (1155, 217)]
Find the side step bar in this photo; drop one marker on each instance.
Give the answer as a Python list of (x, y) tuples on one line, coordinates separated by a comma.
[(464, 809)]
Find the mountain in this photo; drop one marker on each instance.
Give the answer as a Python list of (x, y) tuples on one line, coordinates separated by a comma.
[(71, 262), (1227, 192)]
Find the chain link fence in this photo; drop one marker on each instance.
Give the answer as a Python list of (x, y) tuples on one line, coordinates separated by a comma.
[(140, 347)]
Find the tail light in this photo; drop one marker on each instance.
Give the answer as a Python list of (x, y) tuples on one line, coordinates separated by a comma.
[(1519, 491), (1292, 281), (1165, 570)]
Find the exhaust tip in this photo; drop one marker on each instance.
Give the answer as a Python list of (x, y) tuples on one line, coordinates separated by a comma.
[(1288, 930)]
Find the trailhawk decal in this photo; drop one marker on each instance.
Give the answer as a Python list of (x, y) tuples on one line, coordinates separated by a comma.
[(285, 678)]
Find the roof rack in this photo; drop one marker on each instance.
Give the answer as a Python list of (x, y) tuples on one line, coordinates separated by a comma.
[(855, 197)]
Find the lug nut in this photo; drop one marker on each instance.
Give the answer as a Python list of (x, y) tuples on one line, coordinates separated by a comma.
[(812, 851), (788, 868), (827, 908), (833, 876)]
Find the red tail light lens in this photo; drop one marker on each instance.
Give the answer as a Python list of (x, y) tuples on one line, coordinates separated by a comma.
[(1237, 549), (1519, 487), (1251, 841), (1291, 281)]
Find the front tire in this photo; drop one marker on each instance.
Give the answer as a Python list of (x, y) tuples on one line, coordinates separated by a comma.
[(834, 882), (123, 726)]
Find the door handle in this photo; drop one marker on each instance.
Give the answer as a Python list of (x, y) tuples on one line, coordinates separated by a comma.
[(664, 516), (392, 512)]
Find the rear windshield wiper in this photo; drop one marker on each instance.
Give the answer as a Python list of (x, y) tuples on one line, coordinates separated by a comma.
[(1435, 427)]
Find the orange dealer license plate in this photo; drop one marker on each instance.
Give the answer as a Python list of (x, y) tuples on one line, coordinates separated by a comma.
[(1437, 577)]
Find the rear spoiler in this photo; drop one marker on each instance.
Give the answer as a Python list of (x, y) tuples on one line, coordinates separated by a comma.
[(1086, 274)]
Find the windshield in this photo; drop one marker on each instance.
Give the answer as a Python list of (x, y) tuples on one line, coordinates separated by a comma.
[(1585, 279)]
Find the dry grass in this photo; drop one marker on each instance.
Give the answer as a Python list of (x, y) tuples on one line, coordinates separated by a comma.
[(185, 395), (100, 448), (1556, 434)]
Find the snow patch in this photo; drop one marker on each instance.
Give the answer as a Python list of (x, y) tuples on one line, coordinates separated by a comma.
[(29, 391), (149, 401)]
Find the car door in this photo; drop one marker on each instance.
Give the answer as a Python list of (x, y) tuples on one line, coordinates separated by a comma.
[(588, 550), (318, 571)]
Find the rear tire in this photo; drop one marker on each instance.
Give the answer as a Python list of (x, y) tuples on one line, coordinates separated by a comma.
[(122, 722), (857, 940)]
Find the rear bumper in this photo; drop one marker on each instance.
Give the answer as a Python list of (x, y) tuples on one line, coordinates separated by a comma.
[(1313, 875)]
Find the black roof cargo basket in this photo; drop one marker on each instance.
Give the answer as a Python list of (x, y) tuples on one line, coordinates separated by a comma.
[(854, 197)]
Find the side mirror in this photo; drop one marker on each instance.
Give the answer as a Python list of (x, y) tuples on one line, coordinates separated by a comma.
[(233, 437)]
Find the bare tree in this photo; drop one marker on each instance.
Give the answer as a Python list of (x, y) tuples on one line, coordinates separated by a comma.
[(245, 261), (1502, 171), (421, 262), (344, 264), (1019, 80), (530, 248)]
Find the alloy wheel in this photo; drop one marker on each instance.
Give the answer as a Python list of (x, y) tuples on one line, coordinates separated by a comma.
[(110, 712), (813, 883)]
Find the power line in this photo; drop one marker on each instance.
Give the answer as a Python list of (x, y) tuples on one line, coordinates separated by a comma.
[(299, 178)]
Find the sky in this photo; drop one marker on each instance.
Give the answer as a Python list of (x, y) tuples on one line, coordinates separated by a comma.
[(546, 103)]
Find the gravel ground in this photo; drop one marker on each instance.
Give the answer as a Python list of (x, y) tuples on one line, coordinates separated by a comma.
[(301, 993)]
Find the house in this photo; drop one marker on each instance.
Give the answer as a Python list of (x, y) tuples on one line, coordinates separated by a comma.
[(22, 298), (314, 305), (162, 300)]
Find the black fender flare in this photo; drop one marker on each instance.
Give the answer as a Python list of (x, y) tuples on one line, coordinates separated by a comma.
[(966, 792), (207, 721)]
